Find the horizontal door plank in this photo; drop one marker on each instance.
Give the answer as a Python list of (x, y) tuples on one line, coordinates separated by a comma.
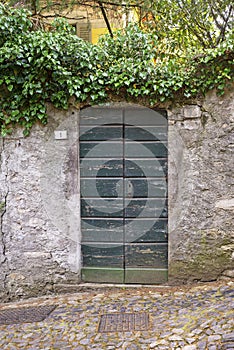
[(102, 255), (146, 276), (144, 116), (145, 187), (103, 149), (145, 150), (146, 208), (102, 274), (101, 167), (102, 230), (98, 116), (146, 133), (146, 230), (151, 255), (102, 187), (99, 133), (91, 207), (150, 167)]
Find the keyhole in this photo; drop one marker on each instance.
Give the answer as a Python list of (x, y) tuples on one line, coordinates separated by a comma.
[(129, 189)]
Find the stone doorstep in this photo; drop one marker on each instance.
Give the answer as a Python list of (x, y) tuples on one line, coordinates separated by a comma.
[(86, 287)]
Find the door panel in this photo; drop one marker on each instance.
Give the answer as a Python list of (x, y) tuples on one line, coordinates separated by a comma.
[(123, 169)]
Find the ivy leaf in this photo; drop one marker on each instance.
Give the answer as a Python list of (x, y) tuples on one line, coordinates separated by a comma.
[(10, 87)]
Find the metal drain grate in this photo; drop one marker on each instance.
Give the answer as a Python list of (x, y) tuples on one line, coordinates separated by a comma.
[(124, 322), (25, 314)]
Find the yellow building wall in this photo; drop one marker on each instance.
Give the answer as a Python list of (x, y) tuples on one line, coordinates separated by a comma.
[(97, 32)]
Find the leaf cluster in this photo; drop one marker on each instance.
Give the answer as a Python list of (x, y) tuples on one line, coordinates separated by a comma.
[(202, 24), (39, 66)]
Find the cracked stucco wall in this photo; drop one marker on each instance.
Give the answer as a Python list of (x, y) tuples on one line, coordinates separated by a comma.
[(39, 203)]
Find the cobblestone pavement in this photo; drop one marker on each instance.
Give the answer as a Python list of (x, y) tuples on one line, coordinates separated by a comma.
[(188, 318)]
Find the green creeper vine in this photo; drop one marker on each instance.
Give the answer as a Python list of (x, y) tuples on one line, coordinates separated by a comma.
[(39, 65)]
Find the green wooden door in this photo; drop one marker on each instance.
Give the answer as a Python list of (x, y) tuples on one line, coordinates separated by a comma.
[(123, 169)]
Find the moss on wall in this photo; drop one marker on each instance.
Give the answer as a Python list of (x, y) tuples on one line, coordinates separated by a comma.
[(213, 256)]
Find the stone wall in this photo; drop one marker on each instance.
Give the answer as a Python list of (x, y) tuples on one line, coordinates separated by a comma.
[(39, 227), (39, 202), (202, 205)]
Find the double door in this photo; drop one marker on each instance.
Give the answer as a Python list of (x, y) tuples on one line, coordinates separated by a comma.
[(123, 170)]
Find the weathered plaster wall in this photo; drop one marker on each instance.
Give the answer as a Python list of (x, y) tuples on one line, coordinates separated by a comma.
[(39, 214), (201, 225), (39, 203)]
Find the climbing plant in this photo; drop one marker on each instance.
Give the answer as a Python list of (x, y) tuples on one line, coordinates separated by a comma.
[(40, 64)]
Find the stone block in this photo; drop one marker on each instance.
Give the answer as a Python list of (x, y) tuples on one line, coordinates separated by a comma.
[(226, 204), (192, 124), (229, 273), (66, 288), (37, 255), (192, 111)]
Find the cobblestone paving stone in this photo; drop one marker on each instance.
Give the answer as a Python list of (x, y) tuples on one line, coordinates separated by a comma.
[(188, 318)]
